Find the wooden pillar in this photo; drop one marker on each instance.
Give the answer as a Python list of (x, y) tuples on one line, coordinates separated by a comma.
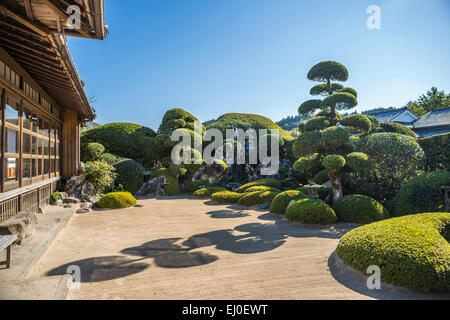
[(70, 141)]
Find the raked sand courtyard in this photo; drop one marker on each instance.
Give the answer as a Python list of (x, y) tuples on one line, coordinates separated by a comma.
[(181, 248)]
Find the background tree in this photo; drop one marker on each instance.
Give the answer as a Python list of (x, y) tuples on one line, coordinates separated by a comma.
[(324, 143), (432, 100)]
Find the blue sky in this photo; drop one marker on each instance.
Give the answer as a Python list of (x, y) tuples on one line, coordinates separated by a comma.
[(217, 56)]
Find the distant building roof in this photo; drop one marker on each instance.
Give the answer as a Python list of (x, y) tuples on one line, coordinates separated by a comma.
[(435, 118), (402, 115)]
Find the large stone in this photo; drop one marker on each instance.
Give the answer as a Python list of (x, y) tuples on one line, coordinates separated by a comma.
[(154, 186), (72, 200), (87, 191), (73, 185), (213, 173), (22, 225)]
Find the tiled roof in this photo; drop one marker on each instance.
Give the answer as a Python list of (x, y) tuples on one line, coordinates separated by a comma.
[(386, 116), (435, 118)]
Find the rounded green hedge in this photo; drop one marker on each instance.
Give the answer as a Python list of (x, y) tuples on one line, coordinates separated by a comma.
[(358, 121), (171, 189), (92, 151), (335, 136), (412, 251), (317, 123), (358, 161), (282, 200), (322, 177), (257, 197), (226, 197), (333, 162), (359, 209), (421, 194), (310, 211), (396, 128), (117, 200), (306, 143), (311, 162), (269, 182), (261, 188), (207, 192), (111, 159), (130, 174)]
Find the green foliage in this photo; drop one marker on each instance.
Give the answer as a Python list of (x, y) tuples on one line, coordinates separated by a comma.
[(126, 140), (375, 122), (306, 143), (335, 137), (333, 162), (130, 174), (317, 124), (341, 101), (282, 200), (396, 128), (269, 182), (421, 194), (308, 107), (207, 192), (117, 200), (226, 197), (257, 197), (322, 89), (247, 121), (111, 159), (432, 100), (56, 196), (351, 91), (100, 174), (261, 188), (359, 209), (328, 70), (171, 189), (437, 151), (358, 121), (291, 122), (411, 251), (175, 119), (321, 177), (396, 159), (358, 161), (311, 211), (91, 151)]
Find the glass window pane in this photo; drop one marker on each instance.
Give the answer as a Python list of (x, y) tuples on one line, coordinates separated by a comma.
[(11, 141), (40, 167), (52, 133), (52, 148), (34, 168), (45, 129), (11, 169), (46, 166), (27, 120), (35, 122), (11, 115), (40, 144), (26, 147), (26, 168), (34, 146), (46, 150)]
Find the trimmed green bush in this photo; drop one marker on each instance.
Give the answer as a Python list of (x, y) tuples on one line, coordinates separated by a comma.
[(257, 197), (117, 200), (92, 151), (357, 121), (282, 200), (335, 136), (130, 174), (207, 192), (421, 194), (437, 151), (173, 188), (100, 174), (269, 182), (261, 188), (311, 211), (317, 123), (226, 197), (309, 163), (112, 159), (375, 122), (333, 162), (306, 143), (321, 177), (359, 209), (397, 128), (358, 160), (411, 251)]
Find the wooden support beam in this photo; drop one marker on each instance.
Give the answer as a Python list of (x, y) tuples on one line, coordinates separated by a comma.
[(29, 9), (23, 38), (32, 48), (37, 27)]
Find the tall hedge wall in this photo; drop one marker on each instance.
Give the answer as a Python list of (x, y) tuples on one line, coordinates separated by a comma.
[(437, 151)]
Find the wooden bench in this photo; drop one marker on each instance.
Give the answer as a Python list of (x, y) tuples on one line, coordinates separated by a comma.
[(6, 242)]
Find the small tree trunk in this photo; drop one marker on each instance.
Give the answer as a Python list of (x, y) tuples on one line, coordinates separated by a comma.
[(335, 179)]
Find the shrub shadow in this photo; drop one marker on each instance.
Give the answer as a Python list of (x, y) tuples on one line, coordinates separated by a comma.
[(227, 214)]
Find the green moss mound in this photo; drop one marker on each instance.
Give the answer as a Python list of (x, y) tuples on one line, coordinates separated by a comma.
[(421, 194), (130, 174), (273, 183), (282, 200), (257, 197), (412, 251), (207, 192), (92, 151), (117, 200), (226, 197), (359, 209), (311, 211), (173, 188), (247, 121)]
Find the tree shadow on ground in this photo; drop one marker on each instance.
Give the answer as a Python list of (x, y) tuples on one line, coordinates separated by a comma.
[(227, 214), (356, 281)]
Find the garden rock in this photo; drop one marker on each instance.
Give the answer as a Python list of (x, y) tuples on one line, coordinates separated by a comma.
[(213, 173), (22, 225), (154, 186), (72, 200)]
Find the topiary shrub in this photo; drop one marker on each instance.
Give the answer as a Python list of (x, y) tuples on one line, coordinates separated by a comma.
[(269, 182), (397, 128), (309, 163), (117, 200), (333, 162), (257, 197), (261, 188), (358, 161), (100, 174), (311, 211), (411, 251), (226, 197), (335, 136), (92, 151), (171, 189), (130, 174), (306, 143), (321, 177), (282, 200), (437, 151), (421, 194), (317, 123), (111, 159), (396, 158), (359, 209), (358, 121), (207, 192)]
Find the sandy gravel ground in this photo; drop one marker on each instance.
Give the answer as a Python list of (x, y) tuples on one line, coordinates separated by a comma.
[(182, 248)]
